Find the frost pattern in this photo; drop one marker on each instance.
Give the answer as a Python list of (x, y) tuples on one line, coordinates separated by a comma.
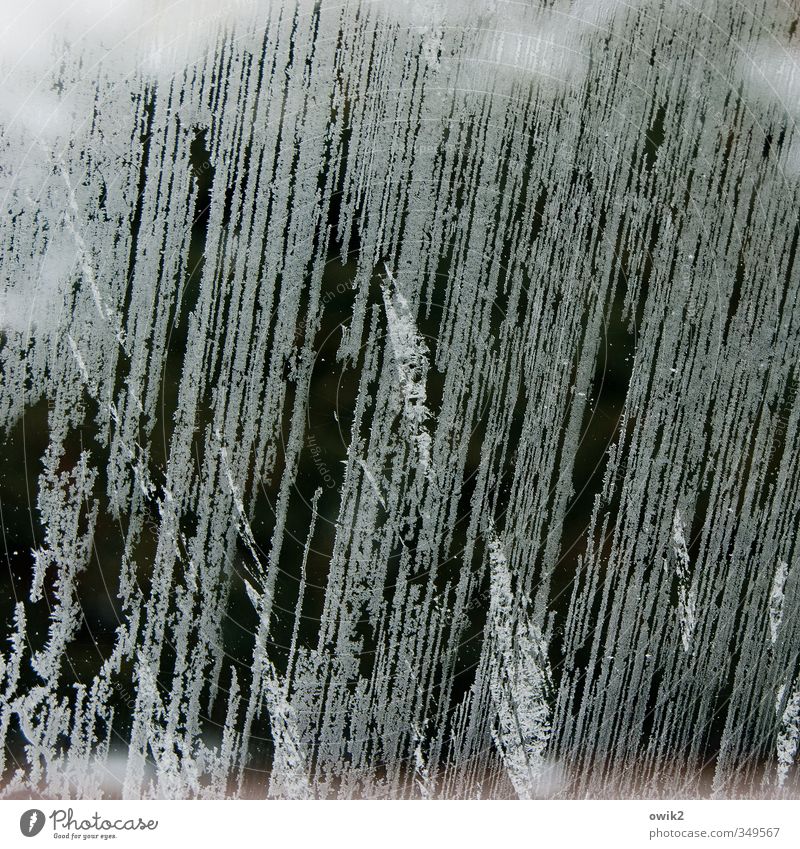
[(789, 733), (411, 357), (687, 615), (776, 600), (520, 682), (400, 399)]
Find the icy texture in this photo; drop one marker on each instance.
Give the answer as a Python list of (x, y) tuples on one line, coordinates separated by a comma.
[(399, 399)]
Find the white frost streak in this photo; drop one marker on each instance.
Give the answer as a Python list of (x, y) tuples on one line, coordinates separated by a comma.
[(411, 359), (520, 681), (788, 733), (776, 600), (687, 596), (289, 778), (245, 531)]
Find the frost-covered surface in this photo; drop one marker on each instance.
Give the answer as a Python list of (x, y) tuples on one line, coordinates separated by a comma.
[(399, 399)]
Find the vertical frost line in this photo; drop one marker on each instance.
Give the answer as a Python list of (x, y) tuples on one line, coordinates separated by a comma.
[(411, 360), (777, 599), (788, 732), (687, 599), (520, 680)]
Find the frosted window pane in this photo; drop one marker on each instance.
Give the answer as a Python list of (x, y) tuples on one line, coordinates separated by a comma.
[(400, 399)]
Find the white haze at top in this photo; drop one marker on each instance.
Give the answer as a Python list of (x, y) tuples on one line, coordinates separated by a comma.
[(483, 216)]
